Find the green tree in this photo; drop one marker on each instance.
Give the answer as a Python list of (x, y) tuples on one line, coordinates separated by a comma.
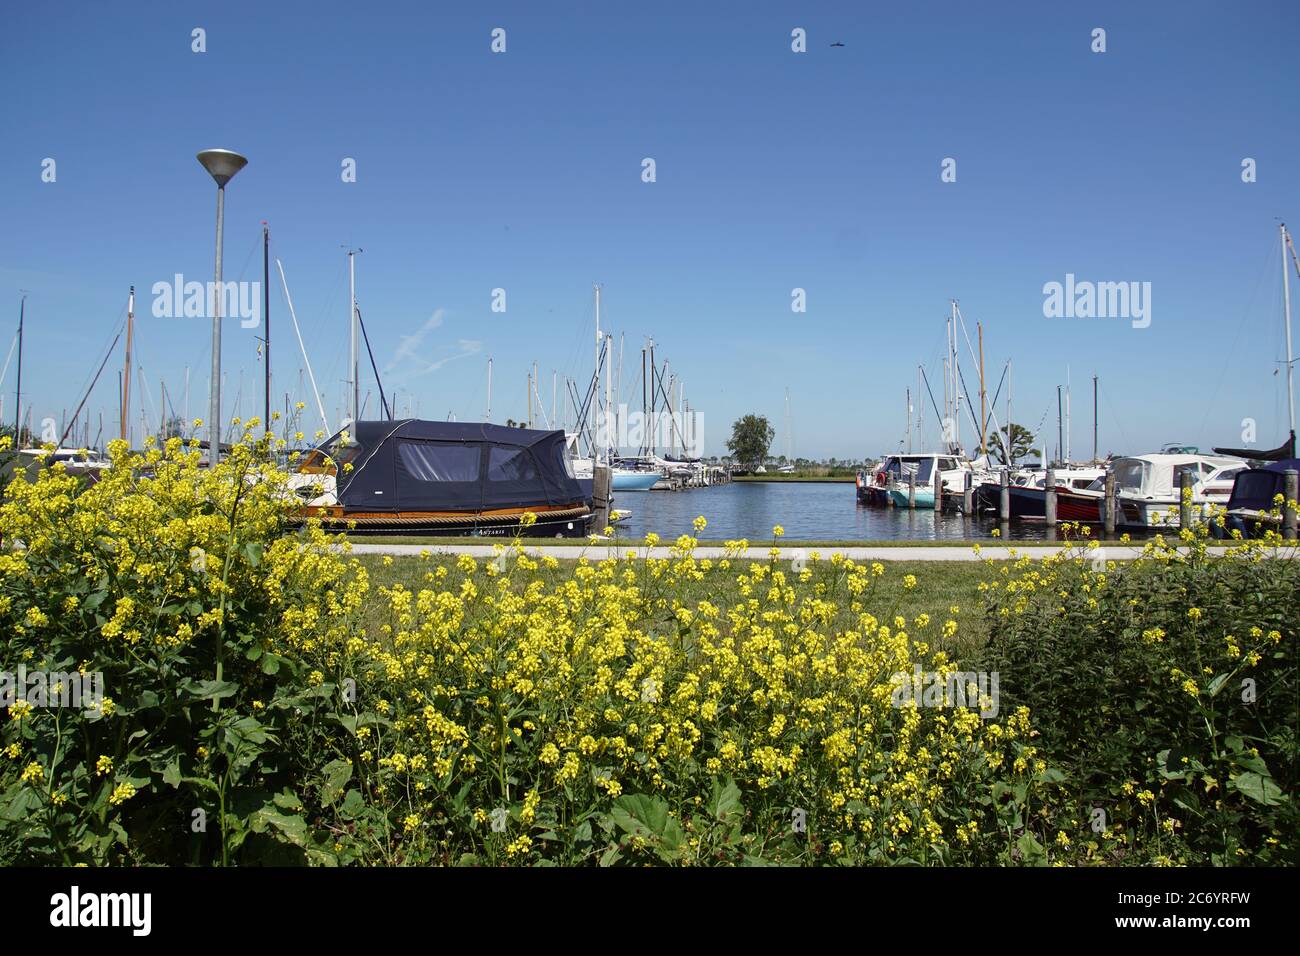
[(1022, 442), (751, 436)]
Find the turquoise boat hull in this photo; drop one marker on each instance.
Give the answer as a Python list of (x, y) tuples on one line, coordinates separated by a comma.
[(924, 497)]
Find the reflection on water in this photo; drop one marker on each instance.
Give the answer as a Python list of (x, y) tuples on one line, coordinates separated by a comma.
[(806, 510)]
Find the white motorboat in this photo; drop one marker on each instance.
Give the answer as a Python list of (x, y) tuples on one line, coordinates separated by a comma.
[(1148, 486)]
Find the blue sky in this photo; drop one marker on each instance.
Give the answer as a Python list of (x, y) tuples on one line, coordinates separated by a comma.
[(775, 170)]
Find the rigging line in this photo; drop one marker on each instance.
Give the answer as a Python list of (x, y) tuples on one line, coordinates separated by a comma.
[(244, 268), (144, 381), (119, 328), (5, 374), (1115, 417), (1236, 338), (932, 402), (994, 400), (969, 410), (373, 367), (82, 404)]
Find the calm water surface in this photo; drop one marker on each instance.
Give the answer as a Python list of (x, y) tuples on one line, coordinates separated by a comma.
[(806, 510)]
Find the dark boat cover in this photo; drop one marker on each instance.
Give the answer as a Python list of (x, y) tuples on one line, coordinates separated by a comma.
[(1284, 452), (1255, 488), (413, 465)]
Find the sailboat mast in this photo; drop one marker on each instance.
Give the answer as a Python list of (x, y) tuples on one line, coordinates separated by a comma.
[(609, 385), (1067, 416), (1060, 435), (18, 395), (920, 413), (488, 417), (979, 328), (1290, 356), (1094, 419), (266, 322), (595, 388), (956, 381), (352, 323), (944, 429), (126, 375), (789, 429), (908, 392), (1010, 460)]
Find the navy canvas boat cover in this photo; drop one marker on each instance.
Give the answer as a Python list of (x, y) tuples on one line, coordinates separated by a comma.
[(414, 465), (1255, 488)]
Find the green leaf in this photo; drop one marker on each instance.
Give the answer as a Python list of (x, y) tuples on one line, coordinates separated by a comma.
[(172, 773), (640, 815), (337, 774), (611, 856), (1031, 851), (1216, 685), (286, 799), (209, 689), (289, 828), (352, 804), (725, 799), (1257, 787)]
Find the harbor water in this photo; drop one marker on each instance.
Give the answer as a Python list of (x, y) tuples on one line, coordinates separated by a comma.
[(808, 511)]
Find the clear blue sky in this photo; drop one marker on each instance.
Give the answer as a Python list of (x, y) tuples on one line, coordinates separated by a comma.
[(775, 170)]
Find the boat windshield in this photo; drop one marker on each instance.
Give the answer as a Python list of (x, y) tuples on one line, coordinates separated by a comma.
[(333, 454), (1129, 475), (923, 469)]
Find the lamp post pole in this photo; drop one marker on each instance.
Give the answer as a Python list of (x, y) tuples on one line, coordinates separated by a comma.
[(222, 165)]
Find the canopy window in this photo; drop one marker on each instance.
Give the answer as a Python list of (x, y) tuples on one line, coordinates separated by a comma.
[(430, 461), (511, 464)]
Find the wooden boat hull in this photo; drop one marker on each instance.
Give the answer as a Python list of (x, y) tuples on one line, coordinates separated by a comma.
[(563, 522)]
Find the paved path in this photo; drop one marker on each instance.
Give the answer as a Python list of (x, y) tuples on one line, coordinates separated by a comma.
[(600, 551)]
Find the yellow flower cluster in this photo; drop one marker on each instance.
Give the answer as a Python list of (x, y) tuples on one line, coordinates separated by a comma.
[(550, 693)]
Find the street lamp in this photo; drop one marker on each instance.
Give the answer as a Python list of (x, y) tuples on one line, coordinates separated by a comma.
[(222, 165)]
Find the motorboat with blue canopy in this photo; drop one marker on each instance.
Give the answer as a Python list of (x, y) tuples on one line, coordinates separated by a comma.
[(445, 478), (1254, 498)]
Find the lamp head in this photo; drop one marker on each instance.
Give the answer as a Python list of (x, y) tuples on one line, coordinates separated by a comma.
[(222, 164)]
